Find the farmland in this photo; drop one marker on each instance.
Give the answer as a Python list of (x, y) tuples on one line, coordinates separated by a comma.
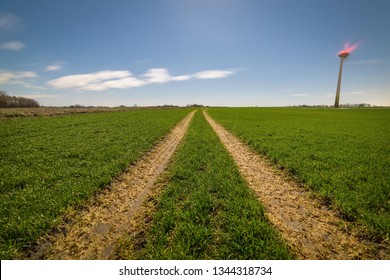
[(206, 210), (6, 113), (48, 164), (202, 206), (342, 155)]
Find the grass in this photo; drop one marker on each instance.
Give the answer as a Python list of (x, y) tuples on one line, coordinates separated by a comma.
[(343, 155), (48, 164), (206, 211)]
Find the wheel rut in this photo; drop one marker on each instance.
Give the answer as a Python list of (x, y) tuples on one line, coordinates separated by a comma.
[(311, 230), (93, 233)]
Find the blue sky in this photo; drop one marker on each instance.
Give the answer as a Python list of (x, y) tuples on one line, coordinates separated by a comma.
[(212, 52)]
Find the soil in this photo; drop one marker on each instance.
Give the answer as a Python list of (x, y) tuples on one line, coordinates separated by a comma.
[(10, 113), (312, 230), (94, 232)]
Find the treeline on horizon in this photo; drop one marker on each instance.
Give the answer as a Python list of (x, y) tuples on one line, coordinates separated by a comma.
[(347, 105), (7, 101)]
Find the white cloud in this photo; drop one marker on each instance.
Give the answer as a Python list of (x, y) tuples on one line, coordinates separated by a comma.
[(103, 80), (161, 75), (85, 80), (157, 75), (53, 67), (12, 46), (213, 74), (8, 21), (124, 83), (181, 78), (9, 77), (128, 82)]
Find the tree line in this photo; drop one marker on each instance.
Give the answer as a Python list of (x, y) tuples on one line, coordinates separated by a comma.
[(7, 101)]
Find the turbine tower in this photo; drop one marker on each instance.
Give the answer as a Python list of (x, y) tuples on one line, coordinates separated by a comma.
[(342, 55)]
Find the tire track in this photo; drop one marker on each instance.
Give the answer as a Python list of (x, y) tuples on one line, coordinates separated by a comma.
[(93, 234), (311, 230)]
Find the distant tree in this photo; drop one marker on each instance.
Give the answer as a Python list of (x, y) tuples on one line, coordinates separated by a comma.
[(3, 99), (7, 101)]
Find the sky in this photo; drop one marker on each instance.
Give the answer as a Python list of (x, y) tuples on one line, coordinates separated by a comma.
[(179, 52)]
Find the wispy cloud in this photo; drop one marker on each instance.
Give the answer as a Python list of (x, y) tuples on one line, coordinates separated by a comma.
[(162, 75), (53, 67), (213, 74), (157, 75), (18, 77), (127, 82), (38, 95), (103, 80), (181, 78), (12, 46), (92, 81), (8, 21)]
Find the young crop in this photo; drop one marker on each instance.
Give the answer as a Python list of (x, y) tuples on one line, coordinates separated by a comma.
[(206, 211), (343, 155), (48, 164)]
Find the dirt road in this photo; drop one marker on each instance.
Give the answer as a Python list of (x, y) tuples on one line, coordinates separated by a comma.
[(312, 230), (93, 234)]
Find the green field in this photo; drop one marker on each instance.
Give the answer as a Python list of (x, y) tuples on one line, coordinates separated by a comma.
[(48, 164), (343, 155), (206, 210)]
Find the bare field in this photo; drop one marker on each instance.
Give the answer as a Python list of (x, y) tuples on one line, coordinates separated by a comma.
[(6, 113), (53, 111)]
